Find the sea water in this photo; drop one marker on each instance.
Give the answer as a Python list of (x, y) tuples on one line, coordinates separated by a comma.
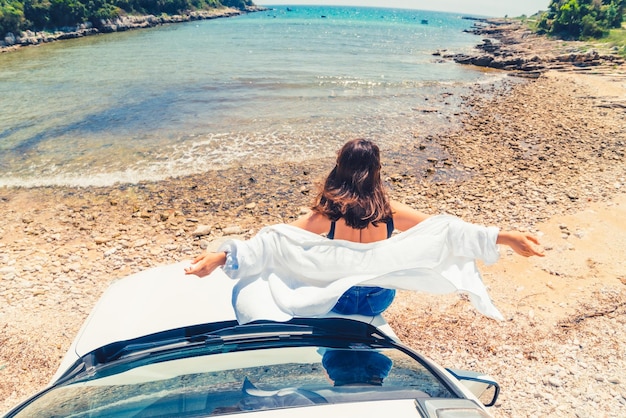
[(284, 84)]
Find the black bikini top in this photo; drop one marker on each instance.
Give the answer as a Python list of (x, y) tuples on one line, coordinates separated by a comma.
[(331, 233)]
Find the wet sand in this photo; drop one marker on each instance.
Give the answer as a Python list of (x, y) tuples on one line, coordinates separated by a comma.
[(545, 155)]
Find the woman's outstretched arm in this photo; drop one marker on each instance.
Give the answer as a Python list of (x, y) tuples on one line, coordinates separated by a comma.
[(405, 217), (522, 243), (205, 263)]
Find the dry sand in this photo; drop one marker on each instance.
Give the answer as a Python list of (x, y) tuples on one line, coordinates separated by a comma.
[(545, 156)]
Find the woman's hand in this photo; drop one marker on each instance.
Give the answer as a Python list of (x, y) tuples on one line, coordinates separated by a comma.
[(522, 243), (205, 263)]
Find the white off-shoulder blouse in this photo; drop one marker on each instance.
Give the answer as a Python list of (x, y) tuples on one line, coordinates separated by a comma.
[(286, 272)]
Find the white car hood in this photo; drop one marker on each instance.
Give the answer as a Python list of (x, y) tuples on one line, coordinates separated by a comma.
[(160, 299), (151, 301)]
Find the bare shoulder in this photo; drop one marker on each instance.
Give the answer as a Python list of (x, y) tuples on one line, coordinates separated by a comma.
[(312, 222), (405, 217)]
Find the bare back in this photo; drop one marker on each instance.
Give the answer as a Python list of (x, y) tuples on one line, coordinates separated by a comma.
[(404, 217), (370, 234)]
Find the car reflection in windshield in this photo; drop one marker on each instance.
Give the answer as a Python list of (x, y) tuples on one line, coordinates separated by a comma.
[(355, 375)]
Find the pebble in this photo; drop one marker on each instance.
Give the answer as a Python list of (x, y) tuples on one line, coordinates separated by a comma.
[(232, 230), (202, 230), (101, 240), (7, 270)]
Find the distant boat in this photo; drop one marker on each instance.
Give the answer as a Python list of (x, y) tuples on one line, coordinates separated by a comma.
[(289, 9), (424, 21)]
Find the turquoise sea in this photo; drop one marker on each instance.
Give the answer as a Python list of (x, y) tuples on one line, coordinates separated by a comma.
[(279, 85)]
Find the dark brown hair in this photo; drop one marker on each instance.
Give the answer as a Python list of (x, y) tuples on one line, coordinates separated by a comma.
[(354, 189)]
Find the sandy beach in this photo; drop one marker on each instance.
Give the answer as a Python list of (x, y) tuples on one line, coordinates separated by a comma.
[(544, 155)]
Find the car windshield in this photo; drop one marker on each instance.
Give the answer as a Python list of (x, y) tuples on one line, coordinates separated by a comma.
[(193, 383)]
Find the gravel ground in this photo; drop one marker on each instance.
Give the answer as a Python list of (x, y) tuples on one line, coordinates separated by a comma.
[(545, 155)]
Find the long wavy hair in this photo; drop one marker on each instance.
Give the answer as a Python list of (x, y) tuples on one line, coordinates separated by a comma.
[(354, 189)]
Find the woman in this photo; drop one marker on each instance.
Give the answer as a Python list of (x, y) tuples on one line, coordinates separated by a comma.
[(353, 206)]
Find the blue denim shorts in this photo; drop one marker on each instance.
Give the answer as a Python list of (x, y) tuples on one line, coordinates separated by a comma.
[(364, 300)]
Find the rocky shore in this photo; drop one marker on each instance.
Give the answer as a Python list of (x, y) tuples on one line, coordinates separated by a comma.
[(510, 45), (543, 154), (12, 41)]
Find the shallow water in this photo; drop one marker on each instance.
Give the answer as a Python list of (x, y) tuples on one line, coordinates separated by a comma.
[(269, 86)]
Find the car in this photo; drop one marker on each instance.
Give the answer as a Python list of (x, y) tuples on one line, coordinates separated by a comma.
[(161, 344)]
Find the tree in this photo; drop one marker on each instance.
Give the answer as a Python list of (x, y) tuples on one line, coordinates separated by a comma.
[(568, 18), (239, 4), (36, 14), (67, 13), (576, 19), (19, 15), (590, 28), (11, 17)]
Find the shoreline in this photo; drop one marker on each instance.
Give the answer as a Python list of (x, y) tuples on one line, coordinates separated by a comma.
[(510, 46), (120, 24), (545, 154)]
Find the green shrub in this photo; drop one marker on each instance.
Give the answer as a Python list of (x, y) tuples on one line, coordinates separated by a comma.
[(19, 15), (581, 19), (11, 17), (590, 28)]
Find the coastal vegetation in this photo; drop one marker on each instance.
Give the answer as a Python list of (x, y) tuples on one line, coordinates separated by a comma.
[(40, 15), (581, 19)]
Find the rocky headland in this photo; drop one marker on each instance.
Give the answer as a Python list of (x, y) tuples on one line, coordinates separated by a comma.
[(511, 46)]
